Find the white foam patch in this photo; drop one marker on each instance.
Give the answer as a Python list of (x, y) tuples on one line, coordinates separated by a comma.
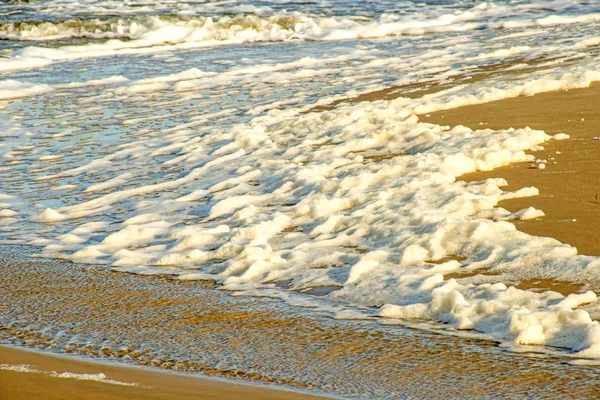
[(527, 213), (110, 183), (111, 80), (17, 368), (90, 377), (49, 215), (4, 213), (100, 377), (12, 89)]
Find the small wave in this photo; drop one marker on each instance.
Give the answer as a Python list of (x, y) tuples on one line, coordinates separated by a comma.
[(149, 34), (218, 28), (282, 25), (72, 28)]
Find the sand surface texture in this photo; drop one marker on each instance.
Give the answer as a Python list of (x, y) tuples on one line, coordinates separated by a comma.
[(30, 375), (570, 184), (193, 327)]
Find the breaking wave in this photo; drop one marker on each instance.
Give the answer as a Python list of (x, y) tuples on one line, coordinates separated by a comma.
[(280, 25)]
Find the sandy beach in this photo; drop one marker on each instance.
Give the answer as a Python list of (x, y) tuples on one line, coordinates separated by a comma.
[(280, 199), (194, 327), (79, 380), (569, 185)]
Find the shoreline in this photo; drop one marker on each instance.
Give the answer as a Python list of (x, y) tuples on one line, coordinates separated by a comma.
[(200, 314), (82, 311), (59, 376), (256, 200), (569, 186)]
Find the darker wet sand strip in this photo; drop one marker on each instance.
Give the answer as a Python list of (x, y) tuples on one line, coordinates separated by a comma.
[(193, 327), (570, 187), (123, 382)]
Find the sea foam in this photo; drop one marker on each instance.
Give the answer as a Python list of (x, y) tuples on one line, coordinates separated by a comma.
[(260, 167)]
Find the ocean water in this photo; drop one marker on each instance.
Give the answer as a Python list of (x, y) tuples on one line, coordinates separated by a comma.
[(226, 141)]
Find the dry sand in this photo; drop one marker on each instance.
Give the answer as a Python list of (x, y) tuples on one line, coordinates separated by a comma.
[(150, 385), (570, 188)]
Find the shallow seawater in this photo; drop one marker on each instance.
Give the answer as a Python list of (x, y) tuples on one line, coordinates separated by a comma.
[(273, 148), (194, 327)]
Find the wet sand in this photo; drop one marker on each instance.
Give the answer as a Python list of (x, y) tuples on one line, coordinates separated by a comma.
[(570, 184), (150, 385), (194, 327)]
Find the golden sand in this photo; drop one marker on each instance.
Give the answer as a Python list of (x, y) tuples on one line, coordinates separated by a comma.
[(570, 184), (88, 312), (149, 385)]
